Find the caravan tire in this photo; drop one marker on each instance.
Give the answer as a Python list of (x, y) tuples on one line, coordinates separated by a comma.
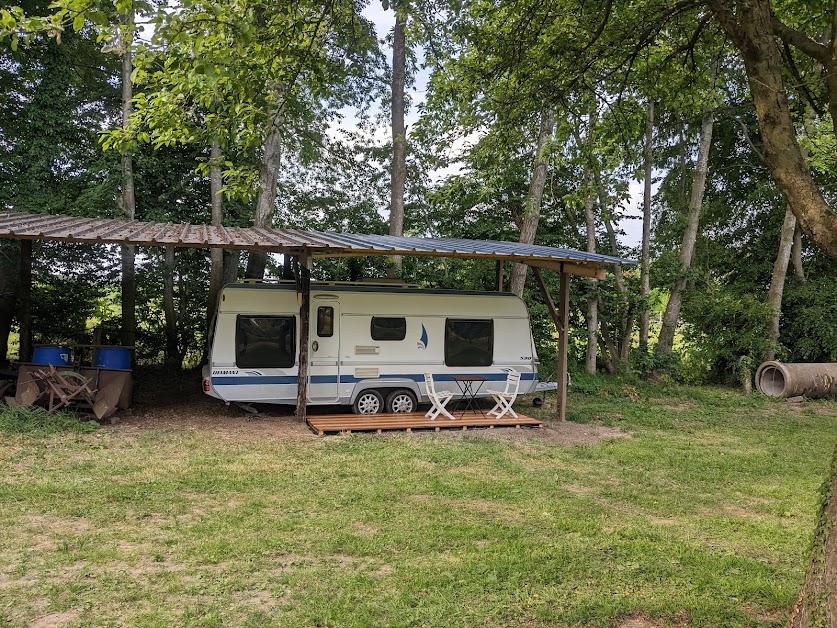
[(368, 402), (402, 400)]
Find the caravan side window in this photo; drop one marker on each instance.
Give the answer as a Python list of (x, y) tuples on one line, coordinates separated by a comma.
[(469, 342), (389, 328), (265, 341), (325, 322)]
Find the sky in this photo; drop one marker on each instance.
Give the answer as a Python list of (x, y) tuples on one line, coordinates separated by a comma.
[(384, 22)]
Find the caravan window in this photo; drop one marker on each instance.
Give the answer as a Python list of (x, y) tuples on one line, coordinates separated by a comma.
[(387, 328), (325, 322), (265, 341), (469, 342)]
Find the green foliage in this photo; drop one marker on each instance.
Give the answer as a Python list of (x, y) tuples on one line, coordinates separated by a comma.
[(37, 421), (725, 330), (809, 319)]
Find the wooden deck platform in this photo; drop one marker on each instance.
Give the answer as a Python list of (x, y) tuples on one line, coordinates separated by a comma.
[(348, 423)]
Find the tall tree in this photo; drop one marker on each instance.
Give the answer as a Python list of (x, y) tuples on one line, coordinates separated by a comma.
[(532, 207), (753, 27), (128, 202), (270, 161), (398, 176), (216, 275), (777, 281), (671, 316)]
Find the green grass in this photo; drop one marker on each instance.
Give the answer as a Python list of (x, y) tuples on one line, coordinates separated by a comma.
[(703, 515), (37, 421)]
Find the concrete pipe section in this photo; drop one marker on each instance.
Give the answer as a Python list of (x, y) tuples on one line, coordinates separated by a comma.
[(793, 380)]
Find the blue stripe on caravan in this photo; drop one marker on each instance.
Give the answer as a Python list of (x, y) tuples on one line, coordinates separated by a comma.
[(260, 380), (439, 377), (263, 380)]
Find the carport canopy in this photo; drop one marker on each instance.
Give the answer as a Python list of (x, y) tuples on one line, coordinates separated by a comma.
[(309, 245)]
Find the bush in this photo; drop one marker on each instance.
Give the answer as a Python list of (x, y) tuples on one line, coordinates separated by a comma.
[(38, 421)]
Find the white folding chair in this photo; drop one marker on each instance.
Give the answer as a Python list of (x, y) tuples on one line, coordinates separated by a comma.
[(439, 399), (505, 398)]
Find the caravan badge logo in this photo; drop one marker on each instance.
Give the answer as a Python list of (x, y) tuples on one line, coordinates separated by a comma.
[(422, 342)]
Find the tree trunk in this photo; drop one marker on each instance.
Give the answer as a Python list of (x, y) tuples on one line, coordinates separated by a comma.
[(398, 176), (216, 274), (232, 259), (750, 27), (128, 199), (796, 255), (266, 200), (532, 209), (817, 604), (777, 281), (624, 314), (790, 248), (610, 352), (168, 305), (671, 316), (645, 260)]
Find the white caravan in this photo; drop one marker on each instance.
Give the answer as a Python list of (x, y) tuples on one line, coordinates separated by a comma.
[(370, 345)]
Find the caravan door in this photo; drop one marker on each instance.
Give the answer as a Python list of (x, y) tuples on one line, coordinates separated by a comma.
[(324, 352)]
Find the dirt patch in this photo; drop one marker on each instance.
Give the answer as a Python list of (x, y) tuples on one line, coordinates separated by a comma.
[(383, 570), (58, 524), (569, 433), (286, 563), (681, 619), (54, 619), (638, 620), (769, 617), (829, 409), (473, 507), (261, 601), (174, 406), (664, 521), (365, 529)]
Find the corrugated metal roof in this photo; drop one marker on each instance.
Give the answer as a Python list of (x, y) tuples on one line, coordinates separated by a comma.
[(320, 244), (457, 247), (112, 231)]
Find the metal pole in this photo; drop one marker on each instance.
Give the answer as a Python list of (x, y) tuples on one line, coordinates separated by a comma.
[(498, 283), (304, 294), (564, 316)]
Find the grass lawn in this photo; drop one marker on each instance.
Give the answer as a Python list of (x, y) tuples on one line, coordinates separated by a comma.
[(702, 516)]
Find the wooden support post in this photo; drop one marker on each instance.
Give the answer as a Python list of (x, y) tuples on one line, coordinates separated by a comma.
[(25, 296), (498, 283), (304, 293), (550, 304), (563, 329)]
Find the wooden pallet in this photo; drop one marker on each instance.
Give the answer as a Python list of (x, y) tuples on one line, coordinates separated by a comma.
[(348, 423)]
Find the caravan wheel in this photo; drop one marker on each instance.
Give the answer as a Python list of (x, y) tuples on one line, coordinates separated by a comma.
[(368, 402), (402, 401)]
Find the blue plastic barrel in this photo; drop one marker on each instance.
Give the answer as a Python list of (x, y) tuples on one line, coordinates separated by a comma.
[(52, 354), (112, 358)]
